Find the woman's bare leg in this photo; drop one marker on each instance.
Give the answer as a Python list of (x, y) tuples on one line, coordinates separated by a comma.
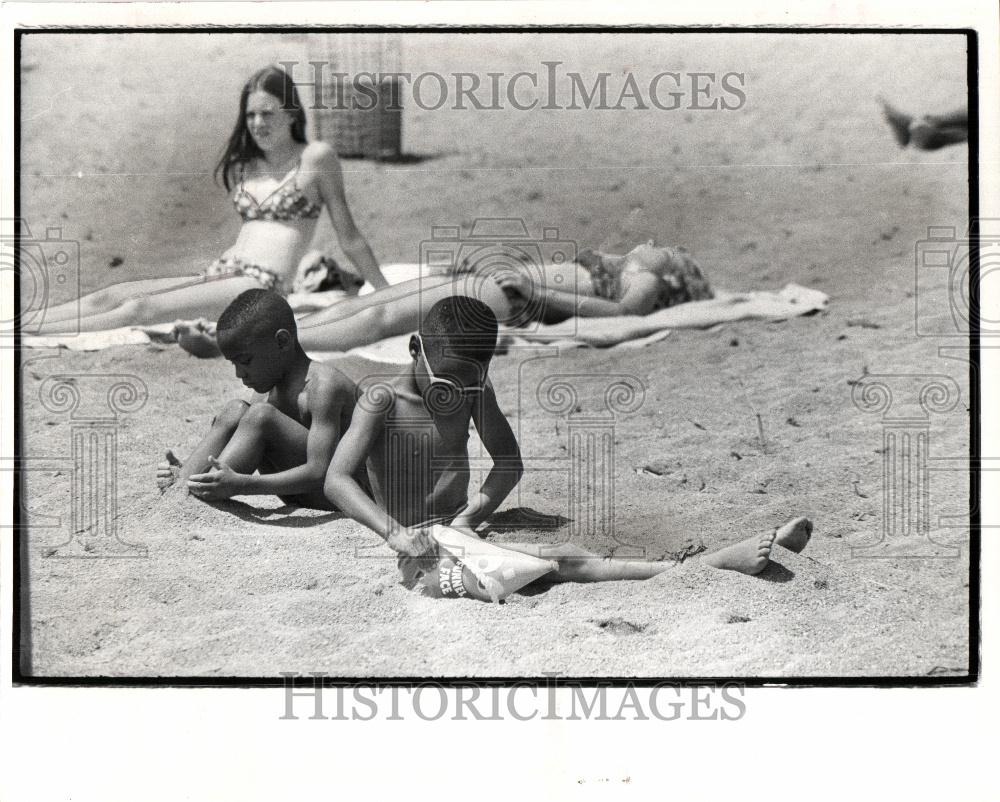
[(195, 299), (957, 118), (928, 134), (106, 299), (395, 310), (329, 325), (899, 122), (392, 311)]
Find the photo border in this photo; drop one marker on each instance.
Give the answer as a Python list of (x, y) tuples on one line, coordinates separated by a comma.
[(21, 594)]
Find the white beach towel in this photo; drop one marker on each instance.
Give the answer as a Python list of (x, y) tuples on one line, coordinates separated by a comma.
[(632, 331)]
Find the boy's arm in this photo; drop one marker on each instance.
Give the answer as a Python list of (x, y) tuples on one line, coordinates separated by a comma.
[(343, 490), (496, 434), (325, 400)]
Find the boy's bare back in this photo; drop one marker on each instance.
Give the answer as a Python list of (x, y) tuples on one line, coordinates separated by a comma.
[(324, 387)]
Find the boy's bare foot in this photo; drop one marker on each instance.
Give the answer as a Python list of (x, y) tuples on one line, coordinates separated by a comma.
[(168, 472), (197, 338), (898, 121), (752, 555), (794, 535)]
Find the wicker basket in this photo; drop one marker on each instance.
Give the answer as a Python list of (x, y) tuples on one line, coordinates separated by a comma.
[(358, 127), (355, 124)]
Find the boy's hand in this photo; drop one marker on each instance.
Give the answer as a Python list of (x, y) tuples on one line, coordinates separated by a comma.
[(416, 553), (168, 471), (414, 542), (219, 483)]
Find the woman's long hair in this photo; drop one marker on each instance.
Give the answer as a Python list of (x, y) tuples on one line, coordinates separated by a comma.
[(241, 147)]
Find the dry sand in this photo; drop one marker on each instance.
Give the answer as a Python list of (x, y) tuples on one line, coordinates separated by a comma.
[(804, 184)]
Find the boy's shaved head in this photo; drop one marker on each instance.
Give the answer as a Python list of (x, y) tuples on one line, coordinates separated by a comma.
[(459, 327), (256, 313)]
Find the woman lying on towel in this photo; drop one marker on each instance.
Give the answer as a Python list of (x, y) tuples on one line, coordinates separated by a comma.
[(282, 185), (644, 280)]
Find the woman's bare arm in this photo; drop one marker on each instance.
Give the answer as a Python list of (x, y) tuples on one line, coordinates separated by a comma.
[(639, 298), (321, 159)]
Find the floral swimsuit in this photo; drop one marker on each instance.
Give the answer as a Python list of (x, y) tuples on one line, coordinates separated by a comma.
[(287, 202)]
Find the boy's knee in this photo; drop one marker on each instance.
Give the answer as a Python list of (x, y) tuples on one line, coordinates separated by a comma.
[(231, 414), (330, 485), (258, 416)]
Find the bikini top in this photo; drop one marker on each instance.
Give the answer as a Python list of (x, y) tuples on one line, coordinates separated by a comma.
[(286, 202), (681, 279)]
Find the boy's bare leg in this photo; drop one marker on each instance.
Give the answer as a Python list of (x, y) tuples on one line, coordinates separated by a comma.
[(575, 564), (750, 556), (265, 437), (269, 441), (223, 427)]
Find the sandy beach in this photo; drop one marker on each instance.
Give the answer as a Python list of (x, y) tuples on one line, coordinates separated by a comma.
[(804, 184)]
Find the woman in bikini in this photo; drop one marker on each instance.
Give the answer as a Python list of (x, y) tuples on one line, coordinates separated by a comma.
[(646, 279), (283, 184)]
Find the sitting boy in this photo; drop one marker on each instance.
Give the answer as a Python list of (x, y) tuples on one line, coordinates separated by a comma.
[(413, 434), (281, 442)]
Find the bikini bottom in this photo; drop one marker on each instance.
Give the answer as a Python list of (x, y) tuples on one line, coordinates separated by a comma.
[(229, 266)]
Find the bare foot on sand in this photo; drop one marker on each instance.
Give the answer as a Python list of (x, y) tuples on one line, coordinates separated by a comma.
[(197, 338), (752, 555), (168, 472), (794, 535), (898, 121)]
